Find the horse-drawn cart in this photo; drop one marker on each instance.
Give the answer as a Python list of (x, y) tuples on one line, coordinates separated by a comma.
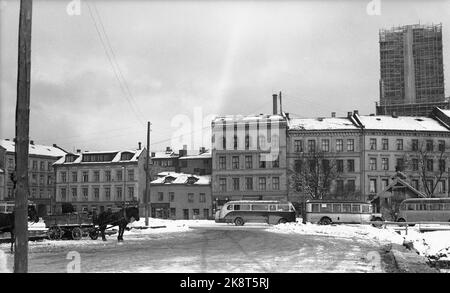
[(74, 226)]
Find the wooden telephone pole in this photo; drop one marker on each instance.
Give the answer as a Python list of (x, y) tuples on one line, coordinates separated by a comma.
[(22, 138), (147, 175)]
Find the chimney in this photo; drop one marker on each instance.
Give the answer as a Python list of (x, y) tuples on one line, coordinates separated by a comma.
[(333, 114), (185, 147), (168, 150), (287, 115), (349, 114), (275, 111), (152, 154), (32, 142), (139, 145), (78, 151), (281, 105), (54, 145), (356, 112)]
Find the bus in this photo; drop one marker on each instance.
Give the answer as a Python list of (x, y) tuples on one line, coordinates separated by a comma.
[(351, 212), (6, 207), (424, 210), (256, 211)]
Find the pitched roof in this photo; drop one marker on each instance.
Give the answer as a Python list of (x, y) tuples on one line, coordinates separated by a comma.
[(321, 124), (34, 149), (205, 155), (397, 181), (384, 122), (116, 157), (181, 178)]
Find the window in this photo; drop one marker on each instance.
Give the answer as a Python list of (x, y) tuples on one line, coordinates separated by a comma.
[(441, 165), (430, 184), (339, 186), (356, 208), (235, 142), (171, 196), (340, 166), (42, 165), (430, 165), (429, 145), (337, 208), (235, 183), (85, 176), (298, 164), (385, 164), (399, 144), (415, 183), (96, 176), (372, 164), (96, 193), (262, 142), (384, 144), (131, 175), (384, 183), (373, 185), (315, 207), (441, 186), (130, 192), (74, 193), (173, 212), (247, 142), (63, 177), (415, 164), (351, 165), (262, 162), (41, 179), (350, 185), (325, 145), (441, 146), (262, 183), (85, 192), (311, 146), (107, 193), (276, 163), (11, 163), (108, 176), (35, 165), (260, 207), (248, 162), (222, 162), (373, 144), (119, 175), (339, 145), (160, 196), (74, 176), (298, 145), (202, 197), (350, 145), (118, 193), (223, 184), (248, 183), (63, 194), (235, 162), (196, 212), (400, 164), (276, 183), (415, 144), (190, 197)]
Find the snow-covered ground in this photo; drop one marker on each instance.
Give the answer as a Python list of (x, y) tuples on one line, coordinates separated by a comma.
[(434, 244)]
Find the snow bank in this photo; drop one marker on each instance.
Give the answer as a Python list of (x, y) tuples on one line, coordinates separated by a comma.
[(434, 244), (344, 231)]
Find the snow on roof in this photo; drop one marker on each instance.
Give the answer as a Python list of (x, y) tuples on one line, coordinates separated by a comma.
[(247, 118), (1, 171), (401, 123), (164, 155), (34, 149), (205, 155), (181, 178), (321, 123), (116, 159)]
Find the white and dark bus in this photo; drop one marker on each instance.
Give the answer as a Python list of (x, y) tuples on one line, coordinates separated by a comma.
[(256, 211), (350, 212), (424, 210)]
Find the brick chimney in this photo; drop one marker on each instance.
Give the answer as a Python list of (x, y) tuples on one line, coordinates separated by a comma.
[(139, 145), (349, 114), (275, 104), (333, 114), (356, 112), (32, 142)]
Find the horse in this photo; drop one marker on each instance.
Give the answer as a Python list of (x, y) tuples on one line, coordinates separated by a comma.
[(121, 218), (7, 223)]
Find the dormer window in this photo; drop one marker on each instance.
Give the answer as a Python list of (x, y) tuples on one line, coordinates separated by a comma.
[(126, 156), (169, 179), (192, 180)]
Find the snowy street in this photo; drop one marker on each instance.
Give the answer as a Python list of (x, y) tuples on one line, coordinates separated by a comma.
[(208, 247)]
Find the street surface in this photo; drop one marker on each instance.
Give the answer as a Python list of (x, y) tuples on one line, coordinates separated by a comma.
[(223, 248)]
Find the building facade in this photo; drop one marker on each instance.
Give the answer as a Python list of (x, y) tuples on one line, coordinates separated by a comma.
[(199, 164), (411, 70), (98, 181), (249, 158), (181, 196), (166, 161), (40, 175), (2, 172)]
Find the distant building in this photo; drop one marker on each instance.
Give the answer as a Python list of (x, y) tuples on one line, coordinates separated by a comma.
[(249, 157), (199, 163), (181, 196), (166, 161), (412, 71), (98, 181), (41, 174)]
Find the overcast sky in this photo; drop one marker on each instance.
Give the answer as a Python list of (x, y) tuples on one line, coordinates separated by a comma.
[(179, 62)]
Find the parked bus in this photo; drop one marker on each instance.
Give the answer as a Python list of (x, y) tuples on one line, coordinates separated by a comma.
[(424, 210), (262, 211), (327, 212), (7, 207)]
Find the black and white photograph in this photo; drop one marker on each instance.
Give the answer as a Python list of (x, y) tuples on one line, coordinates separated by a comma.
[(227, 141)]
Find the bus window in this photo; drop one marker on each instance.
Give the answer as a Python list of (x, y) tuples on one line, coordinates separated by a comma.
[(447, 206), (272, 207), (356, 208), (230, 207), (346, 208), (315, 207), (366, 209), (411, 207), (435, 207), (283, 207), (324, 207), (336, 208), (260, 207)]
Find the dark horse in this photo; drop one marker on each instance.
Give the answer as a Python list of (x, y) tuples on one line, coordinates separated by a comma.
[(7, 222), (120, 218)]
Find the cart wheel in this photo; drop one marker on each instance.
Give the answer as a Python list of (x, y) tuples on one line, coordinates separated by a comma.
[(54, 233), (93, 233), (77, 234)]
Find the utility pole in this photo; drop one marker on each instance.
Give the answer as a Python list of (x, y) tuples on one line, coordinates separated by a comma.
[(22, 138), (147, 175)]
